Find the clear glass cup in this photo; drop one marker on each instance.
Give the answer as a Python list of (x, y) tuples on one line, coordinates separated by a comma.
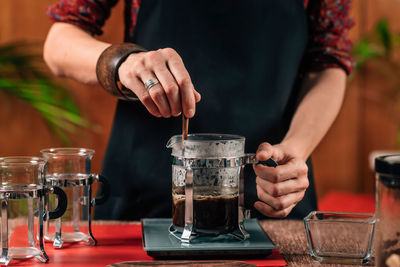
[(21, 195), (70, 168), (387, 169), (340, 237), (207, 185)]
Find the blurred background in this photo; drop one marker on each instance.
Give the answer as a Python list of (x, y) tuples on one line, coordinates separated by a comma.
[(38, 111)]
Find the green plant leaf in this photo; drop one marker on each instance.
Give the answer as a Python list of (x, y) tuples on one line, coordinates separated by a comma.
[(364, 51), (379, 46), (382, 29), (22, 77)]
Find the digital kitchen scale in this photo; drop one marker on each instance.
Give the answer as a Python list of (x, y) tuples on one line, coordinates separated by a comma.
[(159, 243)]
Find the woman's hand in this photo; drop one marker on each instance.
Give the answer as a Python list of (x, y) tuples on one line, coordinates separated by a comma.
[(279, 189), (172, 95)]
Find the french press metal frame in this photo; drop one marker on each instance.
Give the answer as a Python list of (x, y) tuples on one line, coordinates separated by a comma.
[(29, 192), (86, 201), (189, 164)]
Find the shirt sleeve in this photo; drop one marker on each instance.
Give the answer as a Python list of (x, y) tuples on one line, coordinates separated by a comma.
[(328, 45), (88, 15)]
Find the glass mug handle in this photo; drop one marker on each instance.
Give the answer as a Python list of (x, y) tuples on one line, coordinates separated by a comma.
[(105, 190), (61, 206)]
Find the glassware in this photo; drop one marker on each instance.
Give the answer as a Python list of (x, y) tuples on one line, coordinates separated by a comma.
[(387, 169), (70, 168), (23, 187), (340, 237), (207, 185)]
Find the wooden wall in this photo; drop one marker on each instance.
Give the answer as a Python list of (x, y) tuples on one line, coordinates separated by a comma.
[(22, 130), (365, 123), (340, 161)]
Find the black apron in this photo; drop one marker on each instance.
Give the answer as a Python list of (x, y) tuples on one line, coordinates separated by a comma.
[(243, 57)]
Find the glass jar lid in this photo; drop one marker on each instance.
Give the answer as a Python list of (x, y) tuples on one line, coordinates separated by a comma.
[(388, 170), (389, 164)]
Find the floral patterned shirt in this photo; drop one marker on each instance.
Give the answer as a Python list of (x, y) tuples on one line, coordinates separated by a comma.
[(328, 23)]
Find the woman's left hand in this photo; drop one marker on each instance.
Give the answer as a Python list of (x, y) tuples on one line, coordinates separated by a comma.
[(279, 189)]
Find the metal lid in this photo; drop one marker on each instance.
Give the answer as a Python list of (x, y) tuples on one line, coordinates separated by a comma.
[(207, 145), (389, 165)]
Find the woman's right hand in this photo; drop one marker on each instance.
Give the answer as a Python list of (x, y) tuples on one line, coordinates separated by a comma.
[(173, 94)]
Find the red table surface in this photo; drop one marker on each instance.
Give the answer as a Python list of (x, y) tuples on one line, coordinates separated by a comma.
[(116, 243)]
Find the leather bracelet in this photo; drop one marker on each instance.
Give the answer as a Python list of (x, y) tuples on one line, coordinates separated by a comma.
[(107, 69)]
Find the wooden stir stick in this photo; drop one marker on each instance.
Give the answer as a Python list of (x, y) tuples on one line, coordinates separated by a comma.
[(185, 127)]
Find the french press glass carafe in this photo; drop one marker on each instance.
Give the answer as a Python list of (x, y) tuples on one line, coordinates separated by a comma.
[(207, 185), (70, 168), (21, 194)]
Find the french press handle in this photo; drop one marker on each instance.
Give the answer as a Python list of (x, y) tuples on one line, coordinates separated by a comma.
[(61, 206), (251, 159), (105, 190)]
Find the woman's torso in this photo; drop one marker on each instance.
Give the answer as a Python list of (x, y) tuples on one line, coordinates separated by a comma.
[(243, 57)]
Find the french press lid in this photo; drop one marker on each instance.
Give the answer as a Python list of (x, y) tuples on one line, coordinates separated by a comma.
[(388, 170)]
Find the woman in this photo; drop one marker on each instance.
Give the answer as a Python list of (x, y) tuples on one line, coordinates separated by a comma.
[(272, 71)]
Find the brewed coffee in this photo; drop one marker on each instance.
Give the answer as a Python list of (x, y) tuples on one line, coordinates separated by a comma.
[(210, 213)]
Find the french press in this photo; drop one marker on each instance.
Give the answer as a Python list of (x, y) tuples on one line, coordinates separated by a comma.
[(70, 168), (208, 185), (23, 186)]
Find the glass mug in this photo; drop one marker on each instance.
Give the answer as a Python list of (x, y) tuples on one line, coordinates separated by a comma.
[(22, 191), (70, 168), (207, 185)]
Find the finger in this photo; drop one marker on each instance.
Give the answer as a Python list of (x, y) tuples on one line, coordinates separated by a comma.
[(136, 85), (160, 99), (170, 86), (264, 151), (283, 188), (270, 212), (279, 203), (197, 96), (157, 94), (291, 169), (178, 70)]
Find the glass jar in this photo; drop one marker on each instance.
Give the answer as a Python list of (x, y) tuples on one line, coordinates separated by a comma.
[(387, 241)]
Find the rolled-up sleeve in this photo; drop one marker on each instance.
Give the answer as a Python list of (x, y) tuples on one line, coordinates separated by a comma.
[(88, 15), (329, 46)]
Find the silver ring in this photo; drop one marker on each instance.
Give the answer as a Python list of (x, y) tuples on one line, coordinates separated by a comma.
[(150, 83)]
